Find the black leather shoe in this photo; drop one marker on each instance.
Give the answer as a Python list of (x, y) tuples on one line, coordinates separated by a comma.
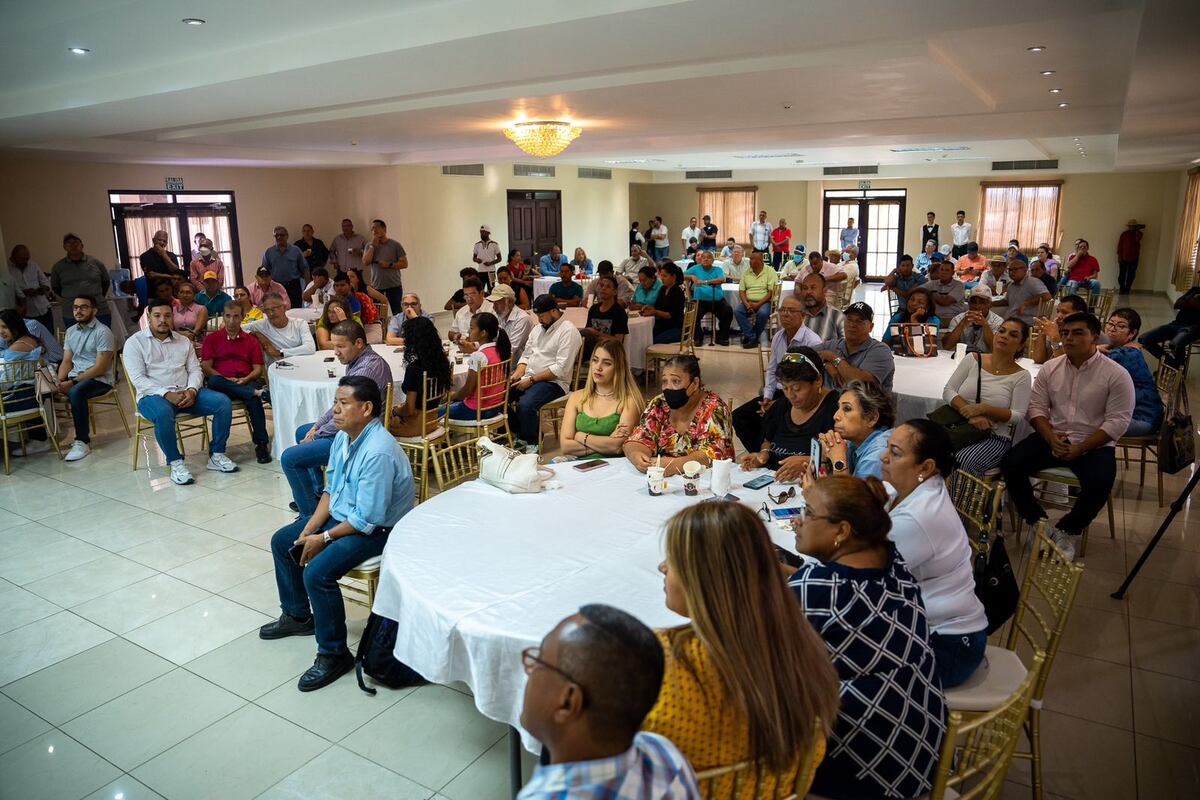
[(286, 625), (325, 670), (262, 453), (292, 505)]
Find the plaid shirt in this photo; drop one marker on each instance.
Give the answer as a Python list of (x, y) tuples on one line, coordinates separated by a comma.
[(652, 769)]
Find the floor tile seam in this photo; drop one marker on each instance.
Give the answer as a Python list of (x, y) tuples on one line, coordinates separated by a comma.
[(475, 760)]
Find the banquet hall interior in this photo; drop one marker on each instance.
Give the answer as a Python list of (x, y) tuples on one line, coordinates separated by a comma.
[(131, 662)]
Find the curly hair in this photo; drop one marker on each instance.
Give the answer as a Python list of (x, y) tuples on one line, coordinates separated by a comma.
[(423, 347)]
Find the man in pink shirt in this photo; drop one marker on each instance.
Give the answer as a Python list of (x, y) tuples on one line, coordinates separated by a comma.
[(264, 284), (1080, 405)]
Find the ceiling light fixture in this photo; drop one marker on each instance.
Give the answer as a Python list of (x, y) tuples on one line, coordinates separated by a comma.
[(626, 161), (1047, 72), (193, 21), (79, 51), (770, 155), (1037, 48), (1055, 91), (1063, 105), (1077, 138), (543, 138), (932, 148)]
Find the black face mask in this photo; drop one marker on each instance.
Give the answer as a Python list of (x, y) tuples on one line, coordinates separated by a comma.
[(676, 398)]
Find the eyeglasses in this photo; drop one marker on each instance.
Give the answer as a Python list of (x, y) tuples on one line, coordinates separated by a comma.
[(807, 515), (531, 659), (784, 496), (1116, 326)]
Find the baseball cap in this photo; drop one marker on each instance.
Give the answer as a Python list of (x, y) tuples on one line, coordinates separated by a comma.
[(263, 271), (980, 290), (210, 274), (861, 309), (936, 257), (69, 236), (501, 291), (486, 228), (706, 216), (543, 303)]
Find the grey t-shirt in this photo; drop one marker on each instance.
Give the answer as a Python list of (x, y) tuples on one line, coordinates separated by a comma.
[(390, 251), (85, 344), (1019, 293), (873, 356), (955, 290), (972, 335)]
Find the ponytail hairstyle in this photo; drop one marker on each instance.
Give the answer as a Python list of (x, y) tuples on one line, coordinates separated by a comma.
[(488, 324)]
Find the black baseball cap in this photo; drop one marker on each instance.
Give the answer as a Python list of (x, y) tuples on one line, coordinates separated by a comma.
[(543, 303), (972, 247), (861, 309), (263, 271)]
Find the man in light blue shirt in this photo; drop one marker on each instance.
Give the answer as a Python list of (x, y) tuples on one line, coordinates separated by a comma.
[(552, 262), (369, 488), (87, 369), (708, 291), (288, 266), (589, 722)]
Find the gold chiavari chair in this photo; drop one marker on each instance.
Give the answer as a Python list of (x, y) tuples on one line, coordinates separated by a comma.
[(550, 416), (186, 426), (731, 780), (456, 463), (21, 409), (657, 353), (491, 392), (433, 433)]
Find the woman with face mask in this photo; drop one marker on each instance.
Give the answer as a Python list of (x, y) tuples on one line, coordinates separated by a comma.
[(207, 262), (685, 423)]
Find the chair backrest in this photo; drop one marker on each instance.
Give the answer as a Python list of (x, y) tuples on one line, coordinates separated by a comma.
[(387, 407), (128, 383), (384, 311), (764, 359), (846, 294), (457, 463), (1045, 308), (690, 314), (977, 501), (433, 405), (976, 755), (1047, 597), (578, 373), (1104, 303), (727, 781), (893, 303), (18, 386), (491, 387), (1167, 380)]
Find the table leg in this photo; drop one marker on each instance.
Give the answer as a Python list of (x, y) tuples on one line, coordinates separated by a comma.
[(514, 760)]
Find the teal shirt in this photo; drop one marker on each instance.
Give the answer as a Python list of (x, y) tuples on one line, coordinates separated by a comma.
[(215, 305), (706, 293), (562, 291), (646, 297)]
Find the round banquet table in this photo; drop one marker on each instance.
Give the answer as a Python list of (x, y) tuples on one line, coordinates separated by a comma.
[(309, 315), (305, 391), (919, 382), (475, 574), (640, 336), (542, 283)]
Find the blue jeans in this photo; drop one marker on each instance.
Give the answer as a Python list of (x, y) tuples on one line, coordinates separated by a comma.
[(662, 252), (395, 298), (302, 467), (254, 406), (78, 397), (208, 404), (458, 410), (315, 586), (761, 317), (1071, 286), (530, 402), (1140, 427), (957, 656), (669, 336)]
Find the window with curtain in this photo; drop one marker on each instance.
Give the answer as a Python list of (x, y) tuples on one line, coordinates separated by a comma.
[(1027, 212), (1188, 243), (732, 211)]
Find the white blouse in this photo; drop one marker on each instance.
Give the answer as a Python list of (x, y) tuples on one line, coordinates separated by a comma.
[(1005, 391), (930, 537)]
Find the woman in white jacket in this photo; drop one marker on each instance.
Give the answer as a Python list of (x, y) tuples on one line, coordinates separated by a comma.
[(931, 539)]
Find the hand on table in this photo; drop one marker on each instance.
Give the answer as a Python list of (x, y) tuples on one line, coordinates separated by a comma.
[(753, 461), (641, 461), (792, 469)]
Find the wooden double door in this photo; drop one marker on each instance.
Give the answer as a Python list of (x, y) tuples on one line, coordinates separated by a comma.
[(534, 223)]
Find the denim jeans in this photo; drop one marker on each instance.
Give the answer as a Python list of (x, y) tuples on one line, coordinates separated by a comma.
[(459, 410), (395, 298), (661, 253), (1140, 427), (315, 586), (753, 330), (254, 406), (302, 467), (957, 656), (208, 404), (530, 402), (669, 336), (1070, 286), (78, 397)]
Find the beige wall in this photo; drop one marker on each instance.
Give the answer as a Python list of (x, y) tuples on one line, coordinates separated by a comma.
[(437, 217), (44, 199), (1094, 207)]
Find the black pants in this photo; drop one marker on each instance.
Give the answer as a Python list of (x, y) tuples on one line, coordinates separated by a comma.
[(777, 259), (1178, 334), (395, 298), (724, 314), (1096, 471), (1128, 269), (958, 250), (748, 425), (295, 292)]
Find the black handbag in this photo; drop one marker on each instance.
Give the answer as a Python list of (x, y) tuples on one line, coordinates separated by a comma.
[(995, 585), (962, 432), (375, 657), (1176, 445)]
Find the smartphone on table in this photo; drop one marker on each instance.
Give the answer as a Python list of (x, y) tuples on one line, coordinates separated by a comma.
[(759, 482), (588, 466)]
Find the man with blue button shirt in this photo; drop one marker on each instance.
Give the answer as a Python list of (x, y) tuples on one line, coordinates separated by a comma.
[(288, 267), (369, 488), (550, 263)]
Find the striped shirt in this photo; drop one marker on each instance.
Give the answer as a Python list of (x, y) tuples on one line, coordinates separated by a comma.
[(827, 324), (653, 768)]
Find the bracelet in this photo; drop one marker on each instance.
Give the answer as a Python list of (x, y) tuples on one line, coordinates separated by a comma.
[(586, 436)]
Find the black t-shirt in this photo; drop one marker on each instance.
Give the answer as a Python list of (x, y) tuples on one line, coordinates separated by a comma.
[(613, 322), (1187, 316), (788, 439), (669, 300), (320, 253), (414, 381), (153, 263), (708, 243)]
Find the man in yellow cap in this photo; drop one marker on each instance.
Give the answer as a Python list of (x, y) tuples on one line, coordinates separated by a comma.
[(213, 298)]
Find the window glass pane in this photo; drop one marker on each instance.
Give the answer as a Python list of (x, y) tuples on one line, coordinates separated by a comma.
[(1023, 212), (185, 197)]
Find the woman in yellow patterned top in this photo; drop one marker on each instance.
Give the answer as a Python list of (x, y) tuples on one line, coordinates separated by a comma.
[(748, 679)]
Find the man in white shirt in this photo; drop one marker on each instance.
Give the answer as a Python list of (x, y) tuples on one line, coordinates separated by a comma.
[(280, 335), (486, 254), (545, 370), (760, 234), (660, 240), (165, 372), (515, 322), (963, 233), (737, 263), (346, 249), (630, 266), (32, 286), (473, 294), (692, 231)]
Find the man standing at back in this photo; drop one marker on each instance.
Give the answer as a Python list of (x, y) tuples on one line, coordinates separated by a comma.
[(486, 254), (288, 266), (159, 260), (589, 722), (962, 233), (384, 259), (32, 286), (708, 235), (78, 274), (692, 231), (660, 240), (1129, 250), (760, 234), (346, 249)]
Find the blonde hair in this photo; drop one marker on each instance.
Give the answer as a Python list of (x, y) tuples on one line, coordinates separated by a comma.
[(772, 663), (625, 388)]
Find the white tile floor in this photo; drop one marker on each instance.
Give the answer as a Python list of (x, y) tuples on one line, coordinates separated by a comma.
[(130, 665)]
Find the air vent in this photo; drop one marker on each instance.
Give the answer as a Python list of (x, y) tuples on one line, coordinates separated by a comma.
[(771, 155), (598, 173), (533, 171), (707, 174), (865, 169), (1008, 166), (463, 169)]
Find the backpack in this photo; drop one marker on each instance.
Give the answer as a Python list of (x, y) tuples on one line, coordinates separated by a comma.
[(375, 657)]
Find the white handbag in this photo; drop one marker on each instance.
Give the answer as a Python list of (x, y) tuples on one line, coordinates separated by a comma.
[(505, 468)]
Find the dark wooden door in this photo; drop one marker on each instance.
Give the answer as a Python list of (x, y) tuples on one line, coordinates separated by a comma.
[(534, 222)]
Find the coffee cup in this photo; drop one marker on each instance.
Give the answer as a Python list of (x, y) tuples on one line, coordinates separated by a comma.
[(960, 351), (656, 480)]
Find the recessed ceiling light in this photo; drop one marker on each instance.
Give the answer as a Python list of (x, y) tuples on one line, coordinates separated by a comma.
[(1055, 91), (79, 51), (1047, 72), (1037, 48), (1077, 138), (193, 21), (1063, 105)]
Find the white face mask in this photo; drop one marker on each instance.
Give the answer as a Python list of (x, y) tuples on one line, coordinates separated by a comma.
[(205, 251)]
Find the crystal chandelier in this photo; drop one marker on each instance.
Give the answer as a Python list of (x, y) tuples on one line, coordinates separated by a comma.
[(542, 138)]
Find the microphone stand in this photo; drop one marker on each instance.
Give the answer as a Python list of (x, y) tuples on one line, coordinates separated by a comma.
[(1176, 507)]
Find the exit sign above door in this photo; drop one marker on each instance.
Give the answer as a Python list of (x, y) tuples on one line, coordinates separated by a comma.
[(864, 185), (174, 184)]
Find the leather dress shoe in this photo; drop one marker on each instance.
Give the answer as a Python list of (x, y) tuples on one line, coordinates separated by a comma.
[(286, 625), (325, 670)]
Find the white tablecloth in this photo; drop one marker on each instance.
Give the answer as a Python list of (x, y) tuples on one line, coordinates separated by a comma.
[(310, 315), (474, 575), (541, 285), (919, 382), (640, 336), (302, 393)]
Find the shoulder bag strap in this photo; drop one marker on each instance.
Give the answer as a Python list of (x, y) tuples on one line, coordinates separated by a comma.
[(978, 377)]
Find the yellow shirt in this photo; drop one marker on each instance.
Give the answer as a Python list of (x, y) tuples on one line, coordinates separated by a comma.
[(758, 286), (691, 711)]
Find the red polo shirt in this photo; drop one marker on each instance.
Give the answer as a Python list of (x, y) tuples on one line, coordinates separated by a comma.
[(232, 357), (778, 237)]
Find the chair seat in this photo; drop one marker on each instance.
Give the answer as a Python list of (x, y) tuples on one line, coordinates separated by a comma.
[(1132, 441), (17, 416), (370, 565), (1057, 475), (433, 435), (669, 349), (478, 423), (998, 677)]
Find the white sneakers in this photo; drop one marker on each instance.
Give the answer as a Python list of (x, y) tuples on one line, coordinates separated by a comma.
[(180, 474), (1066, 542), (219, 462), (78, 451)]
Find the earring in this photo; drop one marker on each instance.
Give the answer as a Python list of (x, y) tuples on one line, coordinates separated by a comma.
[(920, 479)]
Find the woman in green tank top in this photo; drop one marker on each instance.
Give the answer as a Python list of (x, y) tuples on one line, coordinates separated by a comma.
[(600, 416)]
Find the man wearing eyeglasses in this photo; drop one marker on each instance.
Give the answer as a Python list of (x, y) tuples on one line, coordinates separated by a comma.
[(1080, 406), (288, 266), (748, 417), (86, 370), (590, 723), (1122, 329)]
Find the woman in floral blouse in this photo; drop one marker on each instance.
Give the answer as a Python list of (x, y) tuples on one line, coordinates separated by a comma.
[(685, 423)]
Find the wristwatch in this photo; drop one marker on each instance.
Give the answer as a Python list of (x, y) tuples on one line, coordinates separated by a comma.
[(325, 537), (838, 466), (837, 362)]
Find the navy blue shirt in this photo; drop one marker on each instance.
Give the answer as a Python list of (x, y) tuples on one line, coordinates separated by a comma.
[(286, 265)]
